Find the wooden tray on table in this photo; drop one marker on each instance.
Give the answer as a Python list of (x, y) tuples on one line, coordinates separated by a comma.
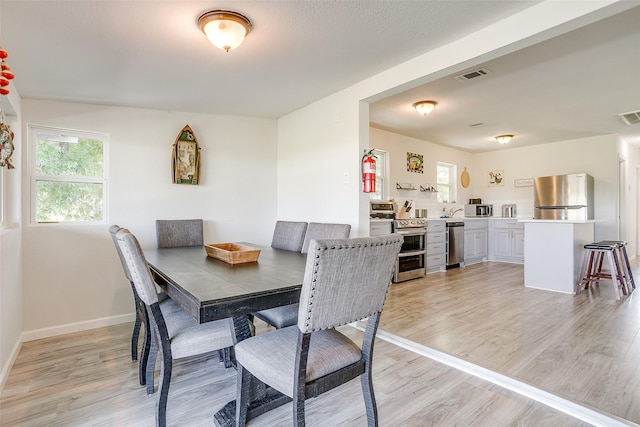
[(232, 253)]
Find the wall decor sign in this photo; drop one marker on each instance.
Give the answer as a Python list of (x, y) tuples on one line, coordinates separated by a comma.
[(495, 178), (414, 162), (185, 160), (525, 182)]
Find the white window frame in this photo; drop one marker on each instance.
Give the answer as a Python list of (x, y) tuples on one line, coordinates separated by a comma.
[(33, 130), (452, 185)]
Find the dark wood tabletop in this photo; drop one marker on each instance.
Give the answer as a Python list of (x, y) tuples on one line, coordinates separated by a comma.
[(210, 289)]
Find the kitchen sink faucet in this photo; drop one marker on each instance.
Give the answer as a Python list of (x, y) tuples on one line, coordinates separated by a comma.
[(453, 211)]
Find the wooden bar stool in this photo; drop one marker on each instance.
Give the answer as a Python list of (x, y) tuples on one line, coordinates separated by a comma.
[(592, 267), (623, 258)]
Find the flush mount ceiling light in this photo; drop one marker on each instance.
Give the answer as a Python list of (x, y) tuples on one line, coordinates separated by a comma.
[(425, 107), (224, 28), (503, 139)]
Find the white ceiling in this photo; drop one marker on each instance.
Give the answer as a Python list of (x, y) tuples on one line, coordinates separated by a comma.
[(151, 54), (573, 86)]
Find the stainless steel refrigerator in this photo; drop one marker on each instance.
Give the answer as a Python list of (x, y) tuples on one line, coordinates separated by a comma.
[(566, 197)]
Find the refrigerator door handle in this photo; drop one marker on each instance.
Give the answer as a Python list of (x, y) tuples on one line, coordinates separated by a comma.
[(561, 207)]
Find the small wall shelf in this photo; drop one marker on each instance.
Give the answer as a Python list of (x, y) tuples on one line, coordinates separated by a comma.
[(405, 186), (428, 189)]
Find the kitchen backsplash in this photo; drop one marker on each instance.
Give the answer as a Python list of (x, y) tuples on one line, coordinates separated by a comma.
[(434, 209)]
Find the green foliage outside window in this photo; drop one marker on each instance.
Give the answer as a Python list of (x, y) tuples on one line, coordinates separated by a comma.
[(68, 201), (445, 178), (69, 156), (69, 178)]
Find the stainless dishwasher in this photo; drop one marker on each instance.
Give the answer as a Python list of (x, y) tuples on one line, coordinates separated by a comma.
[(455, 243)]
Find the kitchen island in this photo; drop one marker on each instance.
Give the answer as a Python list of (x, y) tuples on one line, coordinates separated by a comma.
[(554, 250)]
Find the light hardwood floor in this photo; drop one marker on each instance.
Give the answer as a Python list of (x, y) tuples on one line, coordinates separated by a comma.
[(585, 348), (580, 347), (88, 379)]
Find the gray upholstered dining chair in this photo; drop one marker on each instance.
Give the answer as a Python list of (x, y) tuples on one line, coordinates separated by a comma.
[(321, 230), (345, 280), (171, 233), (167, 305), (177, 334), (289, 235), (287, 315)]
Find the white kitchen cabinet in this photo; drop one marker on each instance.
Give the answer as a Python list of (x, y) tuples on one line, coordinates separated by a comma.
[(508, 241), (436, 246), (475, 241)]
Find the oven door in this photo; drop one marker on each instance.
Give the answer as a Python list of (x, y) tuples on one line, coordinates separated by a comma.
[(410, 265), (413, 240)]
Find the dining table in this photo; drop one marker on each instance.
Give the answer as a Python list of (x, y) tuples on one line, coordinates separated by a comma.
[(211, 289)]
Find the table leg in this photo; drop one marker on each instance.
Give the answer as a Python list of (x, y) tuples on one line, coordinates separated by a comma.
[(264, 398)]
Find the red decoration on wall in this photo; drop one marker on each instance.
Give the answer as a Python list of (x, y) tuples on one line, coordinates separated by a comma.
[(6, 73)]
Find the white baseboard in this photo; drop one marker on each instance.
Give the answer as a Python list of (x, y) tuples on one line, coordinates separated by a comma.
[(12, 358), (76, 327)]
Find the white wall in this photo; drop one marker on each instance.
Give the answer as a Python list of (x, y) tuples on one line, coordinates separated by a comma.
[(72, 275), (313, 160), (398, 146), (630, 190), (597, 156)]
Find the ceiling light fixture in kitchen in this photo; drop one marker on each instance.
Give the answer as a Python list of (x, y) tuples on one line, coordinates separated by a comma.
[(425, 107), (503, 139), (224, 28)]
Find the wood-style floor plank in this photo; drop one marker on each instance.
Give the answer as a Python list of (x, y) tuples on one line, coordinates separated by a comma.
[(88, 379), (585, 348)]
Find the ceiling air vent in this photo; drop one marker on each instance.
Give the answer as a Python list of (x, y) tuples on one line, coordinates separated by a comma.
[(632, 118), (480, 72)]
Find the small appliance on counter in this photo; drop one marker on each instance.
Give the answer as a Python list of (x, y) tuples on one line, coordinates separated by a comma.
[(382, 209), (381, 217), (421, 213), (509, 211), (473, 210)]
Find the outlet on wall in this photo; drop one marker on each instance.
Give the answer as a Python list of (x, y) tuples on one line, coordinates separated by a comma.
[(345, 178)]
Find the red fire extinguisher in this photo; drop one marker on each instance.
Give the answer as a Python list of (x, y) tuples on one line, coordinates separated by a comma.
[(369, 172)]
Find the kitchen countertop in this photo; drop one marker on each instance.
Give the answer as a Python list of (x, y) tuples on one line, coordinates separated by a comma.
[(560, 221), (475, 218)]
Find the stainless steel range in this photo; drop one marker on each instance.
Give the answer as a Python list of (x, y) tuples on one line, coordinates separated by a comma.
[(411, 262)]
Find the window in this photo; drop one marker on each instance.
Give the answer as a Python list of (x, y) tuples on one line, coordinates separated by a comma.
[(381, 175), (446, 182), (68, 178)]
